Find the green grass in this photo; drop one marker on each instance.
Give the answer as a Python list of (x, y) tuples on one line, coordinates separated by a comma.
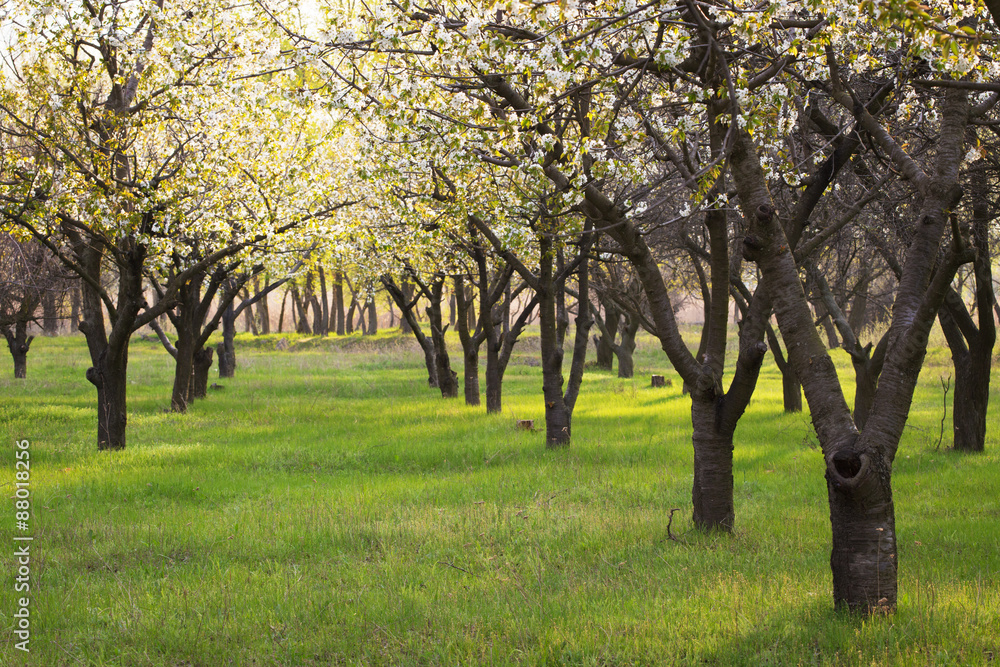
[(326, 507)]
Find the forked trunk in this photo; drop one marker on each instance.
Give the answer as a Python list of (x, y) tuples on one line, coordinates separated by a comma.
[(19, 342)]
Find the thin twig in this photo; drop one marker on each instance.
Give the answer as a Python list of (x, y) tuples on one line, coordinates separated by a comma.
[(946, 385), (670, 521)]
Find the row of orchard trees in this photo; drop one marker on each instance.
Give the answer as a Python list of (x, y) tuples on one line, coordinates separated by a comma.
[(776, 157), (766, 136), (159, 154)]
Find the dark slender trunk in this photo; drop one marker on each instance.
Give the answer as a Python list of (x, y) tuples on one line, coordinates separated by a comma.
[(557, 415), (405, 326), (202, 365), (263, 312), (494, 379), (865, 384), (446, 377), (470, 342), (338, 294), (605, 355), (972, 343), (187, 323), (248, 317), (281, 314), (325, 302), (372, 318), (392, 313), (791, 391), (317, 326), (183, 370), (349, 318), (791, 388), (226, 350), (301, 306), (74, 312), (407, 307), (50, 312)]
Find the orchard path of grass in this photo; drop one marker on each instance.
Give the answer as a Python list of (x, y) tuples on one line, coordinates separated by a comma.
[(326, 507)]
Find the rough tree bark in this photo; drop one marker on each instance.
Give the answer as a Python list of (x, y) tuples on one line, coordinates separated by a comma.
[(859, 465), (19, 342), (470, 341), (971, 344), (446, 377)]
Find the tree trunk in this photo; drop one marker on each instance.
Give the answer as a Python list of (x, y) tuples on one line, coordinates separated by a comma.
[(188, 323), (226, 350), (183, 370), (338, 294), (446, 377), (405, 326), (19, 342), (109, 376), (791, 388), (50, 312), (301, 306), (972, 392), (263, 312), (791, 391), (494, 380), (202, 365), (407, 308), (325, 302), (862, 517), (248, 317), (349, 318), (626, 348), (372, 318), (557, 416), (712, 493), (605, 354), (470, 342), (74, 312)]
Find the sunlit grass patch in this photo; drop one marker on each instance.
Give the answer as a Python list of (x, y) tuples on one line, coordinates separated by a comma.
[(327, 507)]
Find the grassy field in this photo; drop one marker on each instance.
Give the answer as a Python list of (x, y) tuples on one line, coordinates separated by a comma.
[(326, 507)]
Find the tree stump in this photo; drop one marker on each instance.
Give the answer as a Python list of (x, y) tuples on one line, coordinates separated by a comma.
[(660, 381), (526, 424)]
